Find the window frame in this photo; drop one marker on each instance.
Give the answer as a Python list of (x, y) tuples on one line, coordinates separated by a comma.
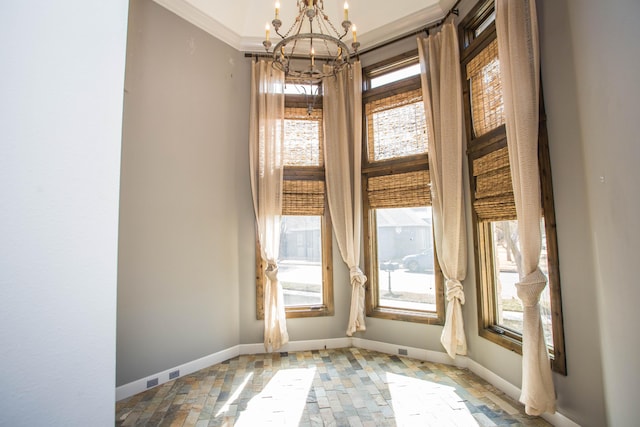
[(389, 167), (470, 46), (304, 173)]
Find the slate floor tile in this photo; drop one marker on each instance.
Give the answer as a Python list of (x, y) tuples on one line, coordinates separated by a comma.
[(350, 387)]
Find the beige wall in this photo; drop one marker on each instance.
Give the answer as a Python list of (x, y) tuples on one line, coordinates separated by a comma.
[(604, 37), (183, 198), (580, 393)]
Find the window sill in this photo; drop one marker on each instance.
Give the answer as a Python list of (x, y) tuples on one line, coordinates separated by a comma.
[(406, 315), (309, 311), (510, 341)]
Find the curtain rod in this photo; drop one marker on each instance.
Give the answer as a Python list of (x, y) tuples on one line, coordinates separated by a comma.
[(454, 10), (257, 55), (270, 55)]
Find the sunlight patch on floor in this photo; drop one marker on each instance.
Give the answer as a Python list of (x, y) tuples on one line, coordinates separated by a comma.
[(425, 403), (281, 402), (235, 395)]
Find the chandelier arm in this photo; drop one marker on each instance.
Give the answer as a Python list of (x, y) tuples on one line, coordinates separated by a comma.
[(276, 29), (336, 32), (323, 41)]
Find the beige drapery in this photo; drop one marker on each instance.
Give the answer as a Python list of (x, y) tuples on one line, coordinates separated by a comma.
[(442, 96), (266, 166), (342, 106), (517, 33)]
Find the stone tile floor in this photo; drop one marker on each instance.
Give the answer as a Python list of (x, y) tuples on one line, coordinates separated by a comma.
[(342, 387)]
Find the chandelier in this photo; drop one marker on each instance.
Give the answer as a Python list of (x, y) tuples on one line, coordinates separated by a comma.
[(311, 42)]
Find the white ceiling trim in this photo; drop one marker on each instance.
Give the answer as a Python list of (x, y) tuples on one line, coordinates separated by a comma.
[(376, 36), (401, 27), (192, 14)]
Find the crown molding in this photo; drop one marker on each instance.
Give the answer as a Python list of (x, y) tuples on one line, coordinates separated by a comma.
[(400, 27), (205, 22)]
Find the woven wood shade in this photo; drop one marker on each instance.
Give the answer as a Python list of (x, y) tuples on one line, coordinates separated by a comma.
[(487, 105), (303, 137), (396, 126), (403, 190), (493, 188), (303, 197)]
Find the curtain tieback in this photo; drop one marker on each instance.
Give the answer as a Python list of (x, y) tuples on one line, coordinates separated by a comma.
[(272, 272), (530, 287), (454, 290), (357, 276)]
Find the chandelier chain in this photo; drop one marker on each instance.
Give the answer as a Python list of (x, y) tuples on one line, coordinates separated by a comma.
[(334, 29)]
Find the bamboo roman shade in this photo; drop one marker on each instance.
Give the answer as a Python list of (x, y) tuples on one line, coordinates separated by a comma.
[(402, 190), (493, 189), (302, 197), (396, 126), (302, 137), (303, 147), (487, 105)]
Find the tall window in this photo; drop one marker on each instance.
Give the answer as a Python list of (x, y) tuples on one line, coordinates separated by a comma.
[(494, 211), (304, 266), (405, 282)]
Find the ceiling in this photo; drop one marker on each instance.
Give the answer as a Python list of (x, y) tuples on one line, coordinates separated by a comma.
[(241, 23)]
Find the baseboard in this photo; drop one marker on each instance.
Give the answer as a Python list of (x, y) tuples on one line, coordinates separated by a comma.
[(509, 389), (416, 353), (299, 345), (140, 385), (500, 383), (560, 420), (497, 381)]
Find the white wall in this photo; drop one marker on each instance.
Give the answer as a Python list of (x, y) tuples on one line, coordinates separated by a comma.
[(60, 115)]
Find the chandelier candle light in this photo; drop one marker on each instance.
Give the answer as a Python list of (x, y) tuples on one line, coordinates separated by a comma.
[(309, 43)]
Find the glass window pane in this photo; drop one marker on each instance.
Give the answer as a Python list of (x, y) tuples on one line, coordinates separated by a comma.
[(485, 24), (301, 89), (506, 251), (406, 277), (300, 263), (394, 76)]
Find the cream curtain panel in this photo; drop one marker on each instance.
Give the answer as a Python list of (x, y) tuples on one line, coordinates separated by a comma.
[(517, 33), (266, 164), (342, 106), (442, 96)]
